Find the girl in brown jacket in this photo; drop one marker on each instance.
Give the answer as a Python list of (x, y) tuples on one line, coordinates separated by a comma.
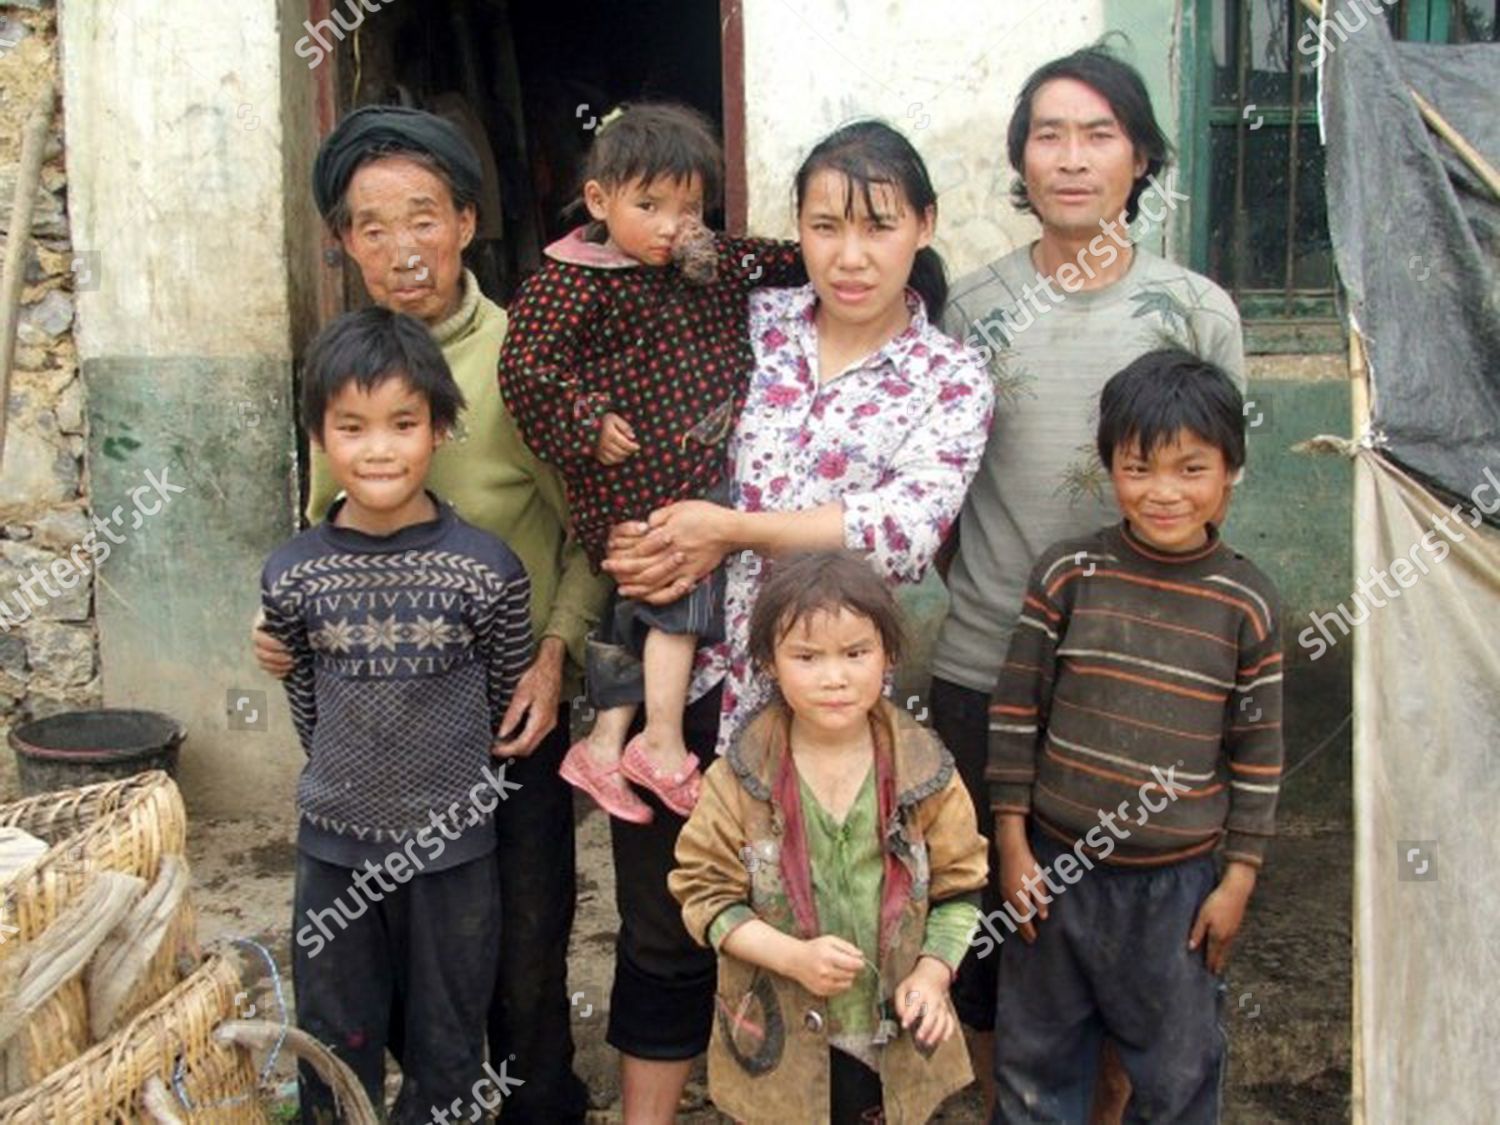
[(834, 864)]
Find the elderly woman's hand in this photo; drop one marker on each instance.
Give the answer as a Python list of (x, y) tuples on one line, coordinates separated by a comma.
[(660, 560), (274, 658)]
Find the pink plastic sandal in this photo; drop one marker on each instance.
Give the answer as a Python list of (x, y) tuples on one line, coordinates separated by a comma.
[(679, 791), (604, 784)]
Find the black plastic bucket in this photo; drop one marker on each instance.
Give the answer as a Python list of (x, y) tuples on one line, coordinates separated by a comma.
[(83, 747)]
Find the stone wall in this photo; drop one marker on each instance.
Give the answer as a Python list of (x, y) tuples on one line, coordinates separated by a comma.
[(48, 656)]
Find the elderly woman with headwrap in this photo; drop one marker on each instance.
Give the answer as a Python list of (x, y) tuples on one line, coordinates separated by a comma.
[(398, 188)]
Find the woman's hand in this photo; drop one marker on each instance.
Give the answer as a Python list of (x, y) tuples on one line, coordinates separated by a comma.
[(644, 564), (922, 1003), (699, 530), (661, 560)]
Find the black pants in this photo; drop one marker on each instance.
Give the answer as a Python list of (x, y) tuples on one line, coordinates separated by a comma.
[(1111, 959), (960, 716), (661, 1005), (614, 657), (428, 946), (855, 1094), (530, 1013)]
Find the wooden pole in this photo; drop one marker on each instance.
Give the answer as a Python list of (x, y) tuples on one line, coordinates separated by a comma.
[(1460, 144), (13, 274), (1439, 125), (1359, 383)]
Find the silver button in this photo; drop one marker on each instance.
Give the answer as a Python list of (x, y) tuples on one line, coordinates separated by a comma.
[(813, 1021)]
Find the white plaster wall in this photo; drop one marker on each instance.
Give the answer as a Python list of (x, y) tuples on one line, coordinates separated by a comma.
[(175, 176), (178, 198), (945, 72)]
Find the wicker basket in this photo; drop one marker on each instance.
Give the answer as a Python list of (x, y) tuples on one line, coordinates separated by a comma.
[(105, 1084), (122, 826)]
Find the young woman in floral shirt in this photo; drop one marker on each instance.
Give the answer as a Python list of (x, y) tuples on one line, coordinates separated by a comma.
[(862, 429)]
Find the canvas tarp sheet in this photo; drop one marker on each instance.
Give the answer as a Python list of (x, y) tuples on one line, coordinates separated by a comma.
[(1427, 800), (1416, 236)]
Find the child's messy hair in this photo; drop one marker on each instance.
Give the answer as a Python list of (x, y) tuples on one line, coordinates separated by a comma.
[(367, 348), (803, 585), (1162, 393), (649, 140)]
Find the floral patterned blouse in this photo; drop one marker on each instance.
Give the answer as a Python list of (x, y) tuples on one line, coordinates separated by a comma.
[(896, 438)]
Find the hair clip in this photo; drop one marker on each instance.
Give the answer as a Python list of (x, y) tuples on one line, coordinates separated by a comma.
[(610, 118)]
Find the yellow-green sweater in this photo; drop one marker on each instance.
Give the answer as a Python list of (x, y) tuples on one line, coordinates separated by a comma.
[(496, 483)]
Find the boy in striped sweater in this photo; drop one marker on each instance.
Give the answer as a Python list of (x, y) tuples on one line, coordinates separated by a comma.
[(1135, 726)]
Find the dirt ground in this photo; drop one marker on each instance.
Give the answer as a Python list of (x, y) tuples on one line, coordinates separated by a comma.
[(1289, 986), (1289, 1005)]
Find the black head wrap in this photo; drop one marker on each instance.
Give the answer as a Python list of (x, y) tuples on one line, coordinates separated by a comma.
[(374, 129)]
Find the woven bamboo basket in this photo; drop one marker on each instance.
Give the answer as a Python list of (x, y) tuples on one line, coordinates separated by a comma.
[(125, 826), (172, 1043)]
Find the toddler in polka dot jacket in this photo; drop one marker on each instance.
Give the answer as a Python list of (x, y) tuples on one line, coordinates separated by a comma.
[(626, 365)]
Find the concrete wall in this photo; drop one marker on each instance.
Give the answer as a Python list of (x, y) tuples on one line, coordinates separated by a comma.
[(1293, 517), (945, 73), (179, 176)]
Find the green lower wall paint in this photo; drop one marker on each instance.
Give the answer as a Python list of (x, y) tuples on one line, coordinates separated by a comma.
[(175, 598)]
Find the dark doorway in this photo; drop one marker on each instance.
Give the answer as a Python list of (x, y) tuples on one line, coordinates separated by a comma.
[(528, 82)]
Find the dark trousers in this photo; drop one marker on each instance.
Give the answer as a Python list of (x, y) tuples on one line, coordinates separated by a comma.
[(960, 717), (661, 1005), (855, 1094), (428, 946), (614, 657), (530, 1013), (1111, 958)]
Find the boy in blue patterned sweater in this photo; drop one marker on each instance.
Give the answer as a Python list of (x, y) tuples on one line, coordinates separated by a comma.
[(409, 629)]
